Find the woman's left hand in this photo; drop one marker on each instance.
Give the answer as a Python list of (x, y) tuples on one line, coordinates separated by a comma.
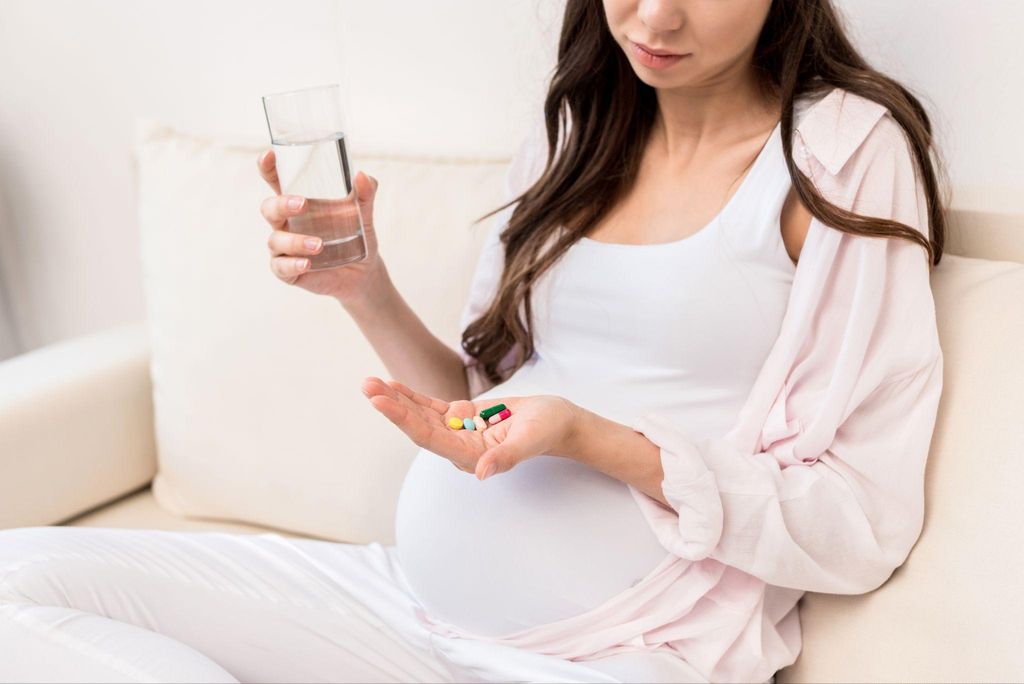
[(539, 425)]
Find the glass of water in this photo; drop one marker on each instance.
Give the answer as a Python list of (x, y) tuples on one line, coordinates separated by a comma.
[(308, 138)]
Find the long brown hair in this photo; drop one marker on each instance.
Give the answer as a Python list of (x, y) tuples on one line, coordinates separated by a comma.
[(802, 50)]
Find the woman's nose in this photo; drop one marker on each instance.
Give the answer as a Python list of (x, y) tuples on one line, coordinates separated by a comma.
[(661, 15)]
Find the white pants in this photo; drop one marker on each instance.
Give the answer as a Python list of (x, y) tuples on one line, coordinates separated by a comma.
[(87, 604)]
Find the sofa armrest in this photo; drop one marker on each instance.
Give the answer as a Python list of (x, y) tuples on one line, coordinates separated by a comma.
[(76, 426)]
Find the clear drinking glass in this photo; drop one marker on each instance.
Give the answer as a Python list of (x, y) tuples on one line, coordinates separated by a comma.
[(307, 134)]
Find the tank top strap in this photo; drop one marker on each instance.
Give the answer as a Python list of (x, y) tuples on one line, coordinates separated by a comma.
[(752, 225)]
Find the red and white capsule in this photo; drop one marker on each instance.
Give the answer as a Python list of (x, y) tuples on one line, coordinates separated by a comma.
[(498, 417)]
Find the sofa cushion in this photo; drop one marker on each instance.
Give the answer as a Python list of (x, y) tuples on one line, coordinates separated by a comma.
[(259, 414), (955, 610), (140, 510), (76, 425)]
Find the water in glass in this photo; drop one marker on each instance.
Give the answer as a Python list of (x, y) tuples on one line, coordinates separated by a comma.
[(319, 171)]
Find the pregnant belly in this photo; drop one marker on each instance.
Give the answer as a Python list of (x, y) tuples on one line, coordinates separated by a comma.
[(545, 541)]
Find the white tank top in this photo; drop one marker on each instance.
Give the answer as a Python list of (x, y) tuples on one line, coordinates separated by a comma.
[(682, 328)]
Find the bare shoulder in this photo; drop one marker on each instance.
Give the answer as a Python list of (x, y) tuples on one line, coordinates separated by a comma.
[(795, 222)]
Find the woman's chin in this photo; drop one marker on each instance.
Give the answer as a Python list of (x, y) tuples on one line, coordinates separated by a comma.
[(666, 80)]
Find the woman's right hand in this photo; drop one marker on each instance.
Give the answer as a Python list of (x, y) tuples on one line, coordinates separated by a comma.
[(289, 251)]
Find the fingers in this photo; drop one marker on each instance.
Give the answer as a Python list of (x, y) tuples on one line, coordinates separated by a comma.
[(289, 268), (373, 385), (267, 164), (434, 403), (366, 186), (283, 243), (398, 414), (428, 411), (506, 453), (366, 190), (486, 465), (394, 407), (278, 208), (422, 422), (495, 460)]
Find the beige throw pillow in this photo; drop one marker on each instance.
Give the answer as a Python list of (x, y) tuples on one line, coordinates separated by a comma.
[(258, 409)]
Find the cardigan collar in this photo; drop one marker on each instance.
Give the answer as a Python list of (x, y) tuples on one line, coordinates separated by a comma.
[(832, 128)]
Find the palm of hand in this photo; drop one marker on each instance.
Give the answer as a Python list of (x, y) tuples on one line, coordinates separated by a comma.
[(345, 282), (537, 425)]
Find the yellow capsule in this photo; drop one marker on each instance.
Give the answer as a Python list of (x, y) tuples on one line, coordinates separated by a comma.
[(455, 423)]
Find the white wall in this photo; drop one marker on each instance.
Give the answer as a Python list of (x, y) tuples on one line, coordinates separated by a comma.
[(965, 61), (458, 76)]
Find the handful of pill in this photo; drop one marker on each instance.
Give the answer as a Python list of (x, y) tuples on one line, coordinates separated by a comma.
[(491, 415)]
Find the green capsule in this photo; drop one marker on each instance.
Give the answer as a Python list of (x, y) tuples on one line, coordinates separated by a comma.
[(488, 412)]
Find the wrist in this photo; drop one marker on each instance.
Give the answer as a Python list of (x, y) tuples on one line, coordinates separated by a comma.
[(376, 296), (576, 432)]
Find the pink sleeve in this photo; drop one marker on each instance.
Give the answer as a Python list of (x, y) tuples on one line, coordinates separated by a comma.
[(832, 498), (526, 165)]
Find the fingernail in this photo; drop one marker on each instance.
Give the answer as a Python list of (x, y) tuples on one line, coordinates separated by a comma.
[(312, 243), (302, 264), (295, 203), (489, 470)]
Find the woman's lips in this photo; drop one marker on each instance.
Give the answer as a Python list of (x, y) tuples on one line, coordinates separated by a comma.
[(652, 60)]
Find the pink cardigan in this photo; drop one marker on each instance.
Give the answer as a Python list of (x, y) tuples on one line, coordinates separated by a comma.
[(820, 484)]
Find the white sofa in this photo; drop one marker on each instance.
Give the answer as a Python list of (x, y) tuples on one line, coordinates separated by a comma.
[(86, 425)]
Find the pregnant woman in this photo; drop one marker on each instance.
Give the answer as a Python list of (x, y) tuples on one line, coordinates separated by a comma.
[(707, 305)]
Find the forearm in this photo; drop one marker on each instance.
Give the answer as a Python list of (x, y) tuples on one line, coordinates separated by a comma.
[(617, 451), (410, 352)]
